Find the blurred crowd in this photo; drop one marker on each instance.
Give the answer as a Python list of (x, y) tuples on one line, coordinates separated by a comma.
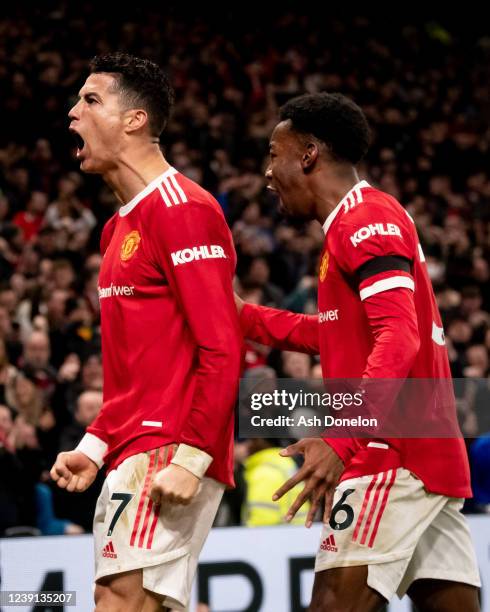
[(424, 88)]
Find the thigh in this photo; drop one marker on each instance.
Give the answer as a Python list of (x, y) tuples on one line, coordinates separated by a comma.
[(125, 592), (444, 596), (344, 589)]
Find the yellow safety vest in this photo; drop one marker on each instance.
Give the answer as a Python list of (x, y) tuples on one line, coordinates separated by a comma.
[(265, 472)]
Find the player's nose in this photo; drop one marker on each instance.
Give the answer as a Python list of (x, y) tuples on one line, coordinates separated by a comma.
[(268, 173), (73, 113)]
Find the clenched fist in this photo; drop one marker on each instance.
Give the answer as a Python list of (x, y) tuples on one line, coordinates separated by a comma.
[(174, 484), (74, 471)]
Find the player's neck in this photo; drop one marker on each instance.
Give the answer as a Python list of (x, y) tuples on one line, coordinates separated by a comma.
[(329, 188), (135, 171)]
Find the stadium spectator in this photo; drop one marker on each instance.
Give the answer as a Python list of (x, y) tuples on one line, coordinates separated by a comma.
[(88, 406), (31, 219)]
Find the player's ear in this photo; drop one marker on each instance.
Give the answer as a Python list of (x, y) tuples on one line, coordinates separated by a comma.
[(135, 119), (310, 155)]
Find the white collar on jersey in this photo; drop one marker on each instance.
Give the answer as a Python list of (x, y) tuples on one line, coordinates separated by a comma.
[(127, 208), (345, 200)]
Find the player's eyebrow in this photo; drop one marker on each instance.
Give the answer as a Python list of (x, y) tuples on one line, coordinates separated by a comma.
[(86, 94)]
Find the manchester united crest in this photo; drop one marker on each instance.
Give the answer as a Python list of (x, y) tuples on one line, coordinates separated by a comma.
[(324, 266), (130, 245)]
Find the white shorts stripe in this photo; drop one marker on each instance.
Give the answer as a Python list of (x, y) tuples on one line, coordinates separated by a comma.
[(385, 284), (171, 191), (151, 423)]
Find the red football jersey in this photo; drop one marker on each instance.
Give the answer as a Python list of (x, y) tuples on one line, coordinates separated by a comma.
[(171, 339), (371, 226)]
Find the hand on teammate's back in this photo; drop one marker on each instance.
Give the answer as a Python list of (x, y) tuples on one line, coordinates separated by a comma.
[(74, 471), (320, 471), (174, 484)]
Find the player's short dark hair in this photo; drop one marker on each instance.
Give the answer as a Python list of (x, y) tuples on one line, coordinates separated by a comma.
[(332, 118), (143, 84)]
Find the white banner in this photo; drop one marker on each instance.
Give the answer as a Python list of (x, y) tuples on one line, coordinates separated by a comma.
[(265, 569)]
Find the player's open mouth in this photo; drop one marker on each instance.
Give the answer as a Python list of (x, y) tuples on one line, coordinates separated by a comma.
[(276, 196), (79, 141), (275, 193)]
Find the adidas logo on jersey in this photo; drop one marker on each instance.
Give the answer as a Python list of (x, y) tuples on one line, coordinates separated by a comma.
[(212, 251), (329, 544), (373, 229), (108, 551)]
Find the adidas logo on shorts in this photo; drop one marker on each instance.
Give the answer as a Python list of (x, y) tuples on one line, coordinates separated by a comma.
[(329, 544), (108, 551)]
